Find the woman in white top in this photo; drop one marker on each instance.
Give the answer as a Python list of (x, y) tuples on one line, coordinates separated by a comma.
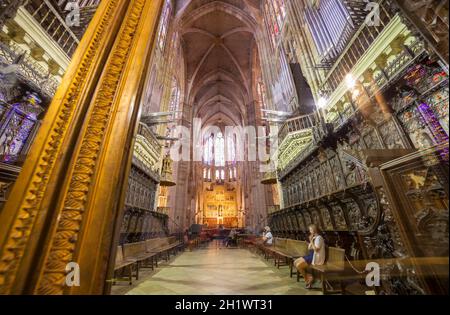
[(267, 236), (316, 254)]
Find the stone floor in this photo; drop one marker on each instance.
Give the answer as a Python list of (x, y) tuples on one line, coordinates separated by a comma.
[(216, 270)]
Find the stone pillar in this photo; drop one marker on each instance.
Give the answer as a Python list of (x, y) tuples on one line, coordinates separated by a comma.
[(67, 202)]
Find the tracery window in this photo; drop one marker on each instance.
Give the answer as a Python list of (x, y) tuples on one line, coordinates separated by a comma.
[(231, 149), (216, 154), (164, 25), (208, 151), (217, 175), (175, 93), (275, 12), (219, 150), (207, 174)]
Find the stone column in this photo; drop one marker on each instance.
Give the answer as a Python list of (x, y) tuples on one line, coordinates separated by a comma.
[(67, 202)]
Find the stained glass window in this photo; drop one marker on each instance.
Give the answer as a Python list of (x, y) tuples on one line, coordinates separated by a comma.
[(219, 150), (18, 123), (231, 148), (174, 104), (164, 25), (275, 12), (262, 94), (208, 150)]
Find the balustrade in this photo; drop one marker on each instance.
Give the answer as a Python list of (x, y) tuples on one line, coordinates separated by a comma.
[(54, 24)]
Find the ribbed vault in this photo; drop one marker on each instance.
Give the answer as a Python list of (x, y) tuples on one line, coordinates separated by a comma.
[(217, 39)]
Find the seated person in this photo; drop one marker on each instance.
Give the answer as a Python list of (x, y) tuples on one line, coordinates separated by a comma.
[(267, 236), (232, 238), (316, 255)]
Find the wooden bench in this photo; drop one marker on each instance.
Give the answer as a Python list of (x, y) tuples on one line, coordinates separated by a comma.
[(247, 240), (138, 251), (294, 250), (286, 251), (124, 264), (262, 248), (334, 265), (164, 246), (276, 250)]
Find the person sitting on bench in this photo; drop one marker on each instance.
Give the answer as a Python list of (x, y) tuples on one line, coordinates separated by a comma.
[(316, 255), (267, 237), (232, 238)]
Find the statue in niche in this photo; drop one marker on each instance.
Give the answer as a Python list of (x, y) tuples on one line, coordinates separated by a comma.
[(133, 221), (327, 219), (125, 222), (367, 221), (339, 219), (354, 215), (301, 223), (422, 139), (433, 231), (316, 218), (336, 170), (390, 136), (307, 218)]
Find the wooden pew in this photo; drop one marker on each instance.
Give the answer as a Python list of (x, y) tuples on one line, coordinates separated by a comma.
[(247, 240), (295, 249), (334, 265), (277, 250), (125, 264), (138, 252), (286, 251), (165, 246), (151, 246)]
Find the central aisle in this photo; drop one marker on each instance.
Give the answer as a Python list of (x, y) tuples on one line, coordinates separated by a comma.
[(220, 271)]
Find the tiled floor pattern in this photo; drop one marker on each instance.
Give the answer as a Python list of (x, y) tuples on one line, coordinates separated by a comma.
[(216, 271)]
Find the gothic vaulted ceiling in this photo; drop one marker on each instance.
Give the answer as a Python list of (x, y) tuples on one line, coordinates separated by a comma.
[(218, 41)]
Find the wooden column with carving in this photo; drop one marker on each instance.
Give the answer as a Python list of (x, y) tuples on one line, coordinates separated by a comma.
[(67, 200)]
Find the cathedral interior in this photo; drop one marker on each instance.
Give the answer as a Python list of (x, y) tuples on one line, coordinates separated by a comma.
[(146, 146)]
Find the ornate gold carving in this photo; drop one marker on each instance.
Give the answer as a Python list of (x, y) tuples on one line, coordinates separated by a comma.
[(12, 251), (74, 205)]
